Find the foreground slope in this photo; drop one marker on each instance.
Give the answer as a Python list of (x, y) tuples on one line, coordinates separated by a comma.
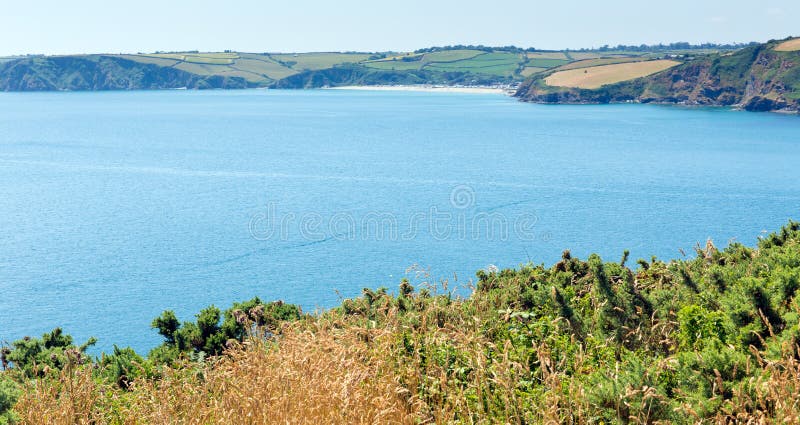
[(713, 339), (764, 77)]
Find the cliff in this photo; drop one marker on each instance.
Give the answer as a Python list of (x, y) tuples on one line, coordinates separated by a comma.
[(98, 72), (756, 78)]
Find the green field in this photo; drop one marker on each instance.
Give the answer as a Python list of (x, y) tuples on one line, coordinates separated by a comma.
[(394, 65), (451, 55), (313, 61), (547, 63), (547, 55)]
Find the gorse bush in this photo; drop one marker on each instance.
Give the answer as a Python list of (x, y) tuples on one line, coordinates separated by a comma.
[(710, 339)]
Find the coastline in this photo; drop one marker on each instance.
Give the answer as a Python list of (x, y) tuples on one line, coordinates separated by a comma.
[(430, 88)]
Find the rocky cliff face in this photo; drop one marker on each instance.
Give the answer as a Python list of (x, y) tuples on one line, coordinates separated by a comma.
[(756, 78), (99, 72)]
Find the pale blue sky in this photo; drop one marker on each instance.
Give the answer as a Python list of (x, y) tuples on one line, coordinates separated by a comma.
[(95, 26)]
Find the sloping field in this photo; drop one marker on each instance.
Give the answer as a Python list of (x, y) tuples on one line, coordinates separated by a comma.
[(255, 68), (263, 66), (396, 65), (530, 70), (588, 63), (451, 55), (789, 46), (152, 60), (315, 61), (547, 63), (547, 55), (594, 77), (466, 60), (584, 55)]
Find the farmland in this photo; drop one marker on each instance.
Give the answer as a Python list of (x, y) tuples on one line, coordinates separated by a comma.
[(789, 46), (588, 63), (314, 61), (471, 65), (500, 63), (598, 76)]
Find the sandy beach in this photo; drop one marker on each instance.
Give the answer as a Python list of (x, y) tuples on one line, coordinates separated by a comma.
[(444, 89)]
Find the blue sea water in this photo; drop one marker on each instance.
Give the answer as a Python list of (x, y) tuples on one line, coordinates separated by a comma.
[(116, 206)]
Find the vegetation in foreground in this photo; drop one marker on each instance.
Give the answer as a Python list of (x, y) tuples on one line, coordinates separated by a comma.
[(711, 339)]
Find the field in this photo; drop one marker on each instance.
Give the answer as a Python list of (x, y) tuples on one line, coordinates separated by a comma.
[(547, 63), (313, 61), (499, 63), (547, 55), (584, 55), (451, 55), (598, 76), (588, 63), (258, 69), (394, 65), (789, 46), (530, 70)]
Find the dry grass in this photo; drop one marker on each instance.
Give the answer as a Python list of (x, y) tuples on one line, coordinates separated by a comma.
[(789, 46), (344, 371), (772, 397), (315, 376), (598, 76)]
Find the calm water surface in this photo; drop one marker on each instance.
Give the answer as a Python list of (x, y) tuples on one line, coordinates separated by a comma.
[(116, 206)]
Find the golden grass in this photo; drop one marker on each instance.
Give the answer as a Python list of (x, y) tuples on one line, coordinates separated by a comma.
[(315, 376), (789, 46), (598, 76), (345, 370)]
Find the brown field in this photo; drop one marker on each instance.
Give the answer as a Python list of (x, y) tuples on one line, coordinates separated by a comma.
[(594, 77), (789, 46)]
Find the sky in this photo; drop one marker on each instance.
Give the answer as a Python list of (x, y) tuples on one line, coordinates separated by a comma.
[(110, 26)]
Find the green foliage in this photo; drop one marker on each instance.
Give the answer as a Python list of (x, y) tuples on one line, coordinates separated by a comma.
[(9, 391), (123, 366), (213, 330), (699, 327), (35, 357), (673, 342)]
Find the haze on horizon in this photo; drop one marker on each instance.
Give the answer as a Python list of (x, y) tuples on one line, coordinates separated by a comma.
[(95, 26)]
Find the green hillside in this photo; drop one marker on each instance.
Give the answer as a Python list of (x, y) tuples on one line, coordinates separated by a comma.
[(764, 77)]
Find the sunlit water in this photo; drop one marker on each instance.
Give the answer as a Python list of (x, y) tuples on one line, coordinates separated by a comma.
[(116, 206)]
